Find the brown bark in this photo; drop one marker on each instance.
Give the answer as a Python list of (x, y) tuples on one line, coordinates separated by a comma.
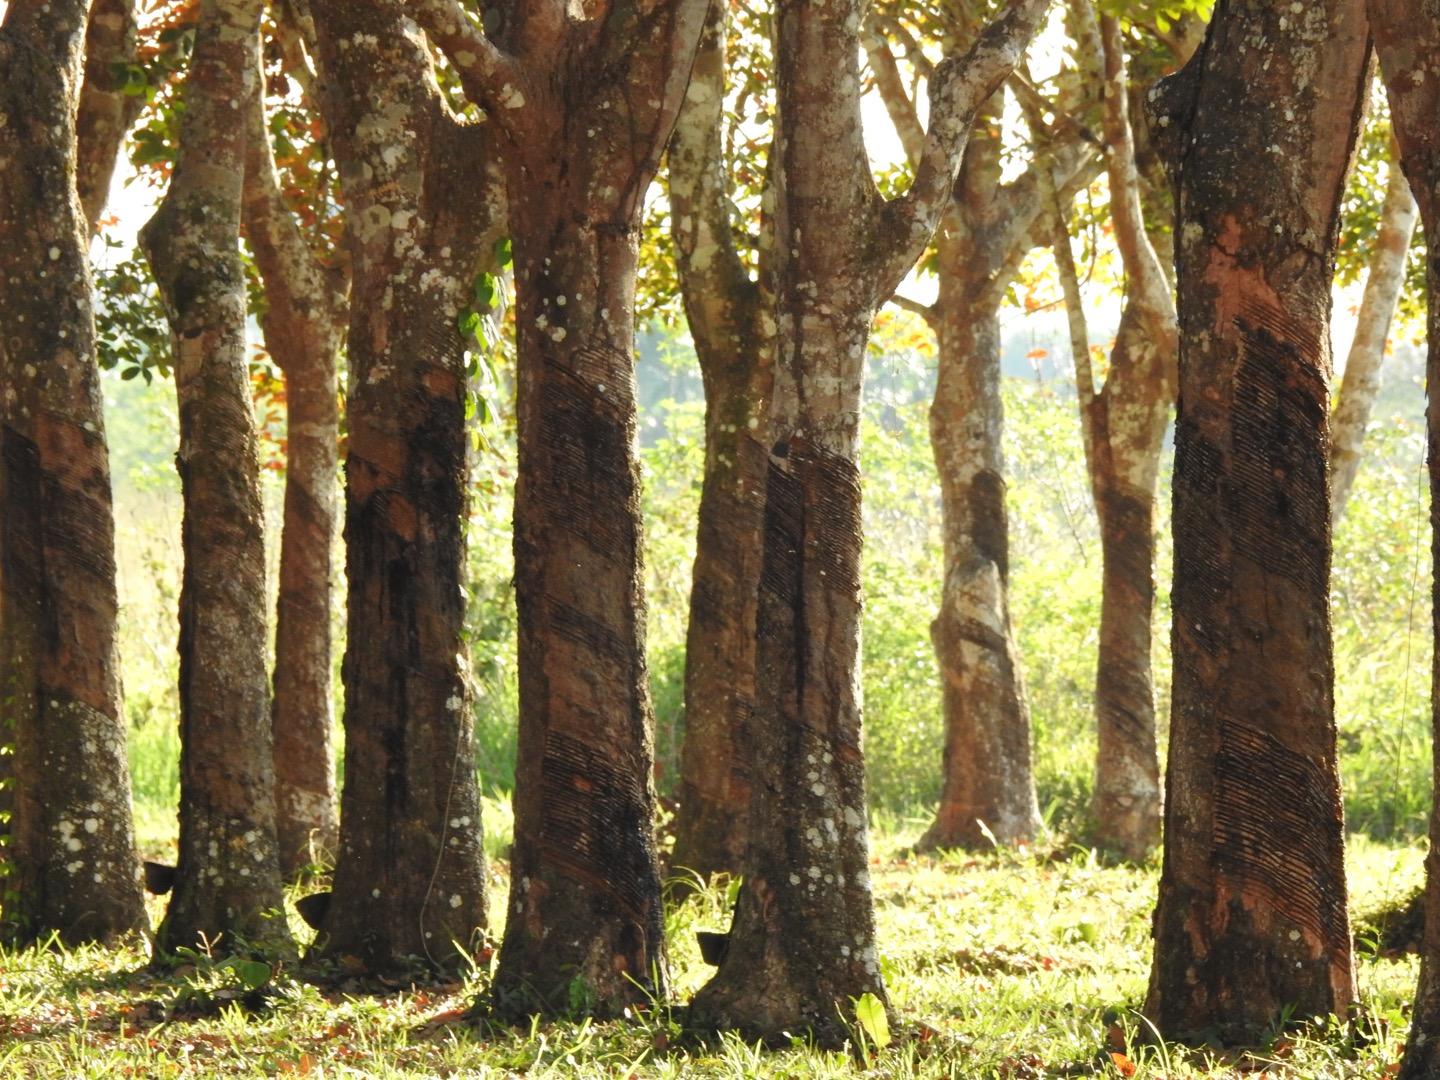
[(305, 315), (803, 942), (988, 786), (586, 100), (1407, 39), (722, 310), (106, 112), (228, 881), (71, 844), (1123, 423), (1360, 385), (409, 880), (1251, 918)]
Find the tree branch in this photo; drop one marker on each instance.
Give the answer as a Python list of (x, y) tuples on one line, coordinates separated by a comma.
[(1148, 284), (959, 86), (106, 112), (492, 78), (891, 85)]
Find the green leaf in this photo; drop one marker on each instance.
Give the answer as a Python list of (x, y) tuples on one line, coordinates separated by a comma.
[(503, 253), (253, 974), (485, 291), (870, 1015)]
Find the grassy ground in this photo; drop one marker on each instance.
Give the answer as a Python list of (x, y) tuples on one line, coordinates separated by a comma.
[(1005, 965)]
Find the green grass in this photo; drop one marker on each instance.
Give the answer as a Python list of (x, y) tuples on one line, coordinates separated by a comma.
[(1008, 965)]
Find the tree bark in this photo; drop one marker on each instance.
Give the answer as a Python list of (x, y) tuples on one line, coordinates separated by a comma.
[(1407, 39), (1251, 919), (305, 316), (803, 943), (586, 98), (722, 310), (1124, 425), (228, 881), (1360, 384), (71, 844), (988, 793), (409, 883), (984, 234)]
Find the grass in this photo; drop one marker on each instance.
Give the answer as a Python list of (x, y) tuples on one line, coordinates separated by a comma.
[(1007, 965)]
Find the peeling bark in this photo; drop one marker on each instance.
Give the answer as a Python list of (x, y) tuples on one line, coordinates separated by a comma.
[(1407, 39), (586, 97), (409, 881), (803, 942), (305, 316), (1251, 918), (1360, 385), (722, 310), (228, 880), (71, 843)]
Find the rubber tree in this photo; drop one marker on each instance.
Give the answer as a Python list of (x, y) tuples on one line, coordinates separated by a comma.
[(1123, 424), (424, 210), (306, 312), (228, 875), (986, 228), (584, 99), (1251, 921), (722, 311), (1360, 384), (71, 843), (1407, 39), (803, 941)]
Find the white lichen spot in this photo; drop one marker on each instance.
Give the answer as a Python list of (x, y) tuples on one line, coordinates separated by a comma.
[(54, 254), (510, 98), (794, 879), (92, 825), (455, 900)]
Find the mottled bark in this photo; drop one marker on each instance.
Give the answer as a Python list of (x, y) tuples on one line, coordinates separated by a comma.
[(722, 310), (71, 844), (1251, 918), (984, 234), (1360, 384), (106, 112), (586, 98), (304, 321), (1407, 39), (228, 876), (803, 942), (988, 787), (409, 881), (1124, 424)]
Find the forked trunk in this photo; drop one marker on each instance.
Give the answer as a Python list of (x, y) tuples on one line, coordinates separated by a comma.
[(71, 848), (409, 884), (585, 927), (1251, 922)]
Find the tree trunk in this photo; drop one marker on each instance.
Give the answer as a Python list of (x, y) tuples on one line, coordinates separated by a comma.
[(228, 881), (1137, 394), (586, 105), (989, 789), (409, 883), (1407, 39), (1360, 384), (71, 847), (802, 948), (1125, 424), (721, 308), (1251, 920), (305, 314)]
